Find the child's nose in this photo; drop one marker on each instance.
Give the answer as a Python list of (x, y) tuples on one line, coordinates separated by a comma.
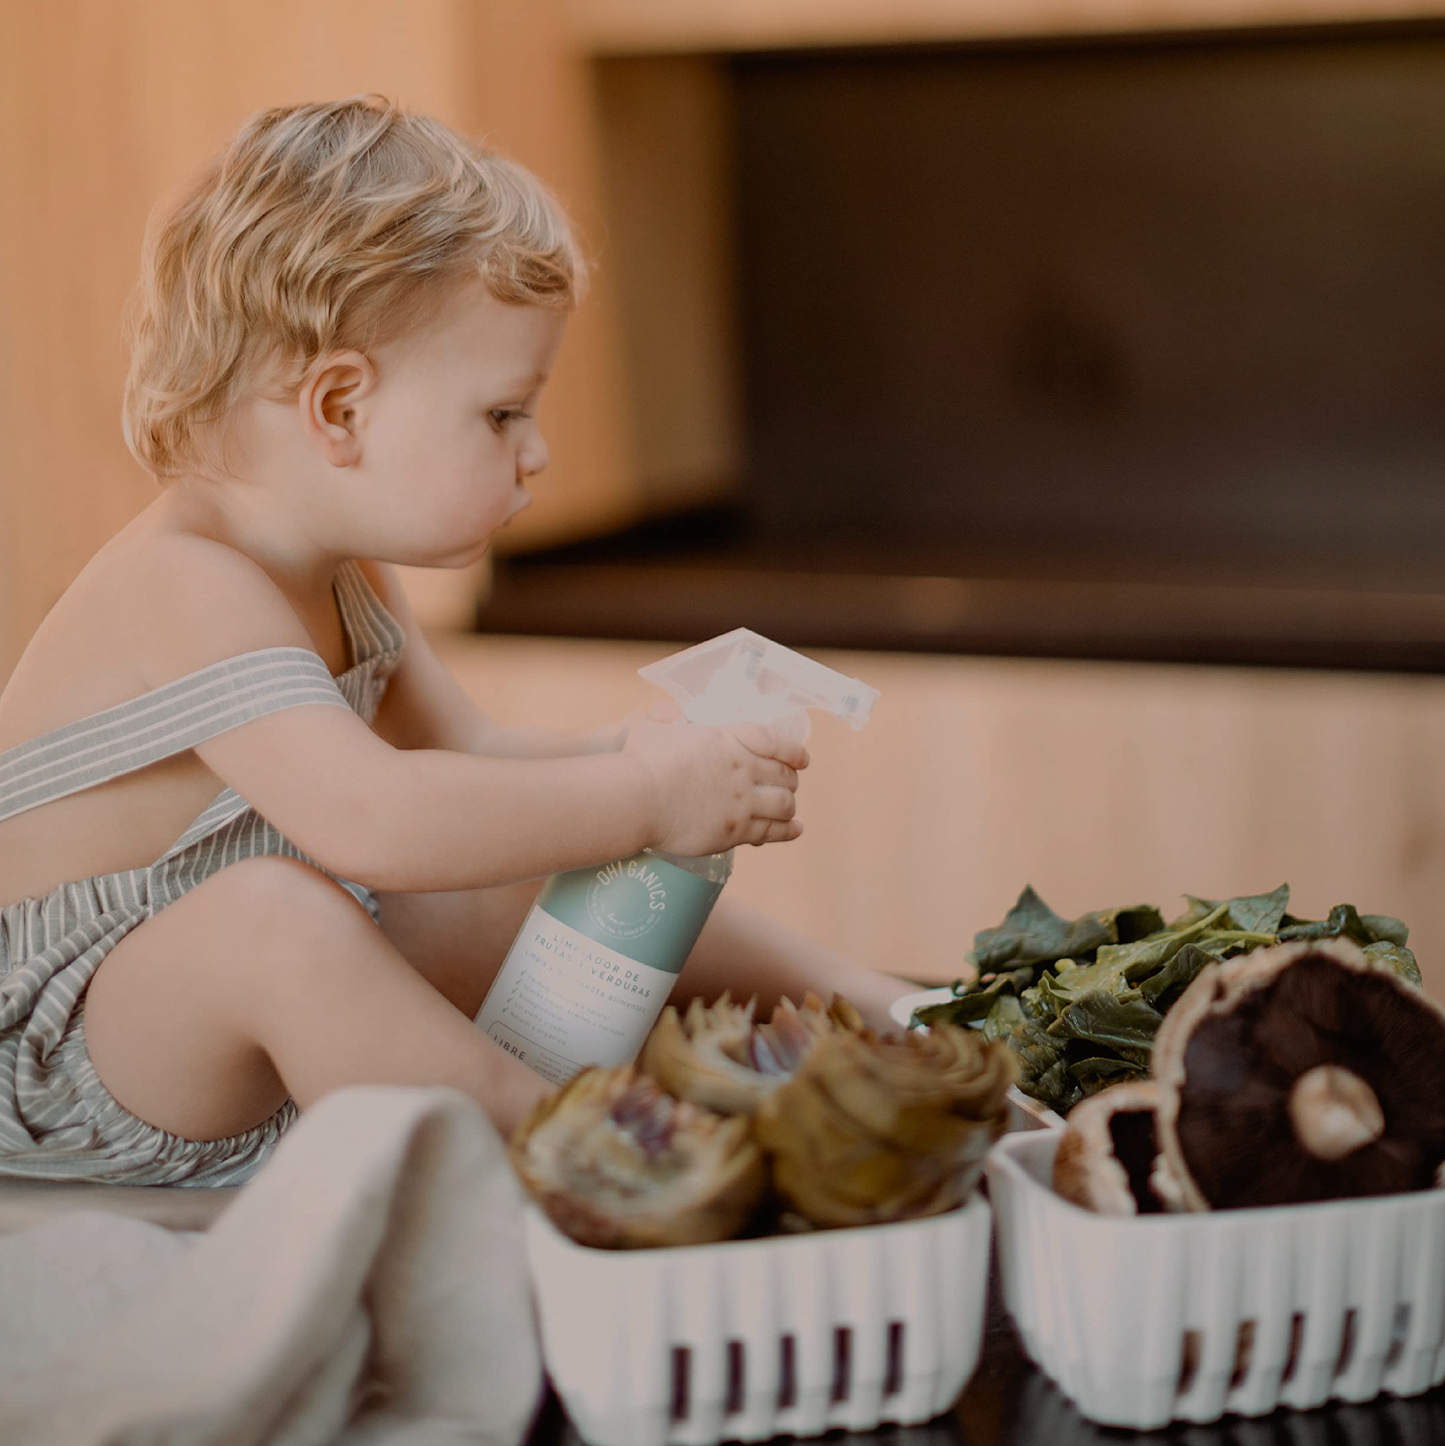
[(533, 457)]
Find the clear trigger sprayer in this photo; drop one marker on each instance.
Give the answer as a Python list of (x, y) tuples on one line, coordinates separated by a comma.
[(597, 957)]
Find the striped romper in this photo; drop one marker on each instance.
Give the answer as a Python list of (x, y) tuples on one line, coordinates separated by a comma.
[(57, 1120)]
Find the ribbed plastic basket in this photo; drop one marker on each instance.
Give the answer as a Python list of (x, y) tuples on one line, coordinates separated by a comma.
[(1157, 1318), (749, 1339)]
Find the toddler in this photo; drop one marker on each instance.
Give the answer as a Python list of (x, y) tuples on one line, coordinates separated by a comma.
[(255, 842)]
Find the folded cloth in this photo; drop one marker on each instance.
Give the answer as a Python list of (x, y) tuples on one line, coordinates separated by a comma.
[(368, 1286)]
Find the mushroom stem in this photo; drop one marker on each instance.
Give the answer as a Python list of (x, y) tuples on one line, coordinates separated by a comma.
[(1334, 1112)]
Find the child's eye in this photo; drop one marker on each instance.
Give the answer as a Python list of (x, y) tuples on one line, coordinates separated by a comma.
[(500, 416)]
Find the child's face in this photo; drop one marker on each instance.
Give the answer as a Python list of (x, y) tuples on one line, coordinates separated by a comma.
[(450, 435)]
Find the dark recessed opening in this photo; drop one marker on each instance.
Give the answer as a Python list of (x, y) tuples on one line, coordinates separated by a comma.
[(1108, 349)]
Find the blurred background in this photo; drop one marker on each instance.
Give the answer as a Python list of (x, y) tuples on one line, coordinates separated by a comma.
[(1072, 371)]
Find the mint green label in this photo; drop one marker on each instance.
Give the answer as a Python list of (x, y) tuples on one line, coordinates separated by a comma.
[(642, 907)]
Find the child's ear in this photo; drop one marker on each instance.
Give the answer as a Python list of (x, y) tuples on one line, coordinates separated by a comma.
[(332, 405)]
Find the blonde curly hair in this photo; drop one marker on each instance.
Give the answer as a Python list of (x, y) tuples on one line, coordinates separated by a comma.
[(319, 228)]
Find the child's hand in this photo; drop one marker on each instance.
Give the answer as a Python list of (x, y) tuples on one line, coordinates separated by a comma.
[(659, 710), (719, 787)]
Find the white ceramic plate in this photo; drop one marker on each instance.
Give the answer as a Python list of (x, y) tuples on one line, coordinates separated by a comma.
[(902, 1008)]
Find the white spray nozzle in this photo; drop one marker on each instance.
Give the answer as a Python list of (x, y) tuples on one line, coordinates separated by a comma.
[(743, 677)]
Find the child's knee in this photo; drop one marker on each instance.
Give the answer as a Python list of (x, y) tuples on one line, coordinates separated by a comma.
[(286, 900)]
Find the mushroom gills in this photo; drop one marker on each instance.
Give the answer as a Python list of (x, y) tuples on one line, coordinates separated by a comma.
[(1299, 1073), (1136, 1147), (1106, 1158)]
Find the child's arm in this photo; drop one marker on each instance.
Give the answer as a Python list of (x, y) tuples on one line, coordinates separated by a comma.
[(425, 706), (403, 820)]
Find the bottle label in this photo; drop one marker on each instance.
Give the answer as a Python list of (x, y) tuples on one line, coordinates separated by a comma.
[(643, 907), (594, 963)]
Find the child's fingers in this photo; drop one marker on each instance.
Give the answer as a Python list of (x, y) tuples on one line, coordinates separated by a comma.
[(768, 771), (767, 742), (774, 831), (774, 803)]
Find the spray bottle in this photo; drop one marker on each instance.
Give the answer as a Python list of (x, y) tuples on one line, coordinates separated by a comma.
[(602, 947)]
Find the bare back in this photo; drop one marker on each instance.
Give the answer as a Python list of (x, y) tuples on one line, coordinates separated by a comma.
[(100, 646)]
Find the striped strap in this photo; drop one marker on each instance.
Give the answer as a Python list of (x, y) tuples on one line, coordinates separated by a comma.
[(166, 721)]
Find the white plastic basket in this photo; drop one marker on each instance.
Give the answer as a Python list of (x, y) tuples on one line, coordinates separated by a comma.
[(749, 1339), (1150, 1319)]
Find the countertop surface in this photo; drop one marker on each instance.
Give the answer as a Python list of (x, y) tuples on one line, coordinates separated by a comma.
[(1009, 1403), (697, 577)]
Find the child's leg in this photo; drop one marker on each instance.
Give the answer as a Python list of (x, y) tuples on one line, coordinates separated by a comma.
[(747, 952), (457, 941), (268, 980)]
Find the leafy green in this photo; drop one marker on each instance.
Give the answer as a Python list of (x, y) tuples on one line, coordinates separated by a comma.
[(972, 1004), (1398, 957), (1124, 1024), (1345, 922), (1163, 988), (1005, 1016), (1385, 929), (1099, 1071), (1255, 914), (1032, 933), (1079, 1000)]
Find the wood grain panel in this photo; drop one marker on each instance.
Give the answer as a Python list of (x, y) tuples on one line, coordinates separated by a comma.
[(1100, 784), (632, 27), (107, 107), (665, 131)]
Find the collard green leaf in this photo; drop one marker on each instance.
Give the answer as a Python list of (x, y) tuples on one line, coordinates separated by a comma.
[(1386, 930), (1038, 1051), (1098, 1071), (1070, 981), (977, 999), (1259, 913), (1032, 933), (1398, 957), (1253, 913), (1343, 922), (1125, 1025), (1141, 959), (1197, 909), (1055, 1088), (1162, 989), (1135, 921), (1005, 1016)]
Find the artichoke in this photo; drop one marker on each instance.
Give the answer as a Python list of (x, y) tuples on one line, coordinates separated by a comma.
[(616, 1163), (715, 1056), (885, 1127)]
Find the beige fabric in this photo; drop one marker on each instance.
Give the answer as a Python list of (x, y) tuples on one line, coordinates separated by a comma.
[(368, 1286), (24, 1203)]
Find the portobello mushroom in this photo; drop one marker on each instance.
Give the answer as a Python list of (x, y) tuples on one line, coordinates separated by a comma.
[(1307, 1071), (1108, 1151)]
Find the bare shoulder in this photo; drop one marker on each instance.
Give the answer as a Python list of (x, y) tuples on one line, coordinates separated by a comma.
[(149, 607), (192, 600)]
